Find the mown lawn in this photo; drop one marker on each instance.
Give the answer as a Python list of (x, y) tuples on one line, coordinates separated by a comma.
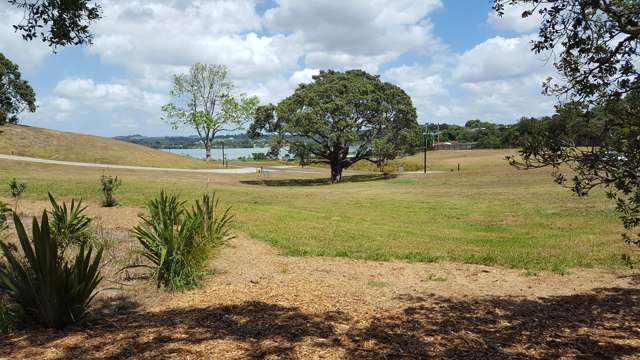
[(488, 213)]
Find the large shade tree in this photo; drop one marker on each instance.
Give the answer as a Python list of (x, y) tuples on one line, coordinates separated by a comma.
[(595, 44), (204, 100), (16, 95), (339, 112)]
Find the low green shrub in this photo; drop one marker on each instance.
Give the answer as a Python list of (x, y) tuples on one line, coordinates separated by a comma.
[(16, 189), (43, 285), (178, 241), (109, 186)]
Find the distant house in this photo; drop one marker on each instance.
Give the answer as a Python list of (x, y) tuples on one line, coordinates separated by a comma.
[(454, 146)]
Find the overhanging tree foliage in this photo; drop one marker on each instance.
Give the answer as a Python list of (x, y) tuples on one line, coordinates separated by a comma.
[(596, 45), (340, 111), (57, 22), (16, 95), (204, 100)]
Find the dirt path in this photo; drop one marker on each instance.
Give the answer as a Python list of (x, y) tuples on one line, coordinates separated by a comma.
[(263, 305)]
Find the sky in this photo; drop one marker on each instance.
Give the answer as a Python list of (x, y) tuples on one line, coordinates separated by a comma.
[(455, 58)]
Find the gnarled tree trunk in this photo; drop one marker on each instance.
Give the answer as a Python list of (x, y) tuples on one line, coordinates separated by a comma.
[(336, 171)]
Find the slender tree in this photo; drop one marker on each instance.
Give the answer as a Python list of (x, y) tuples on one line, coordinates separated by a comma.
[(203, 100), (339, 112), (16, 95)]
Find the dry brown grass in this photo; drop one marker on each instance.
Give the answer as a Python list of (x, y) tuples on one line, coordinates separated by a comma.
[(57, 145)]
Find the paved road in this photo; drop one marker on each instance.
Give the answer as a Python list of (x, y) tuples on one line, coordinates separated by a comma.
[(234, 170)]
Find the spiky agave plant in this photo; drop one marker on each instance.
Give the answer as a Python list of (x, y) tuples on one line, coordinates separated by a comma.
[(163, 234), (48, 289), (178, 242), (212, 223), (69, 225)]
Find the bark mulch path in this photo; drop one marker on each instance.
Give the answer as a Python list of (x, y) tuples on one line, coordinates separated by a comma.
[(263, 305)]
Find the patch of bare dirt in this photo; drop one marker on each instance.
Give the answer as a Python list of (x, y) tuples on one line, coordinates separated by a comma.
[(259, 304)]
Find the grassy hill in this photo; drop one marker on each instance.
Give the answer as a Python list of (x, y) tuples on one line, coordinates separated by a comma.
[(58, 145)]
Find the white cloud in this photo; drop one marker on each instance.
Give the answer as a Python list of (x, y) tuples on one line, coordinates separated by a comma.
[(304, 76), (512, 19), (417, 81), (499, 58), (107, 97), (498, 80), (356, 33), (508, 100), (268, 56), (111, 108)]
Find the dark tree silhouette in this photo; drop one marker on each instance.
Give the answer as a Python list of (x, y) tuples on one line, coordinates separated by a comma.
[(57, 22)]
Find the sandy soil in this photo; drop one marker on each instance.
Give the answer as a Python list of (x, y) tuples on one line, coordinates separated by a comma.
[(259, 304)]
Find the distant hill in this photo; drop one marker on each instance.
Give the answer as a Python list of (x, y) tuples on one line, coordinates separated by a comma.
[(58, 145), (192, 142)]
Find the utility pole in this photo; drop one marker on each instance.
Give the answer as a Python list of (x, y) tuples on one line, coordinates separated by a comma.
[(426, 144), (223, 162)]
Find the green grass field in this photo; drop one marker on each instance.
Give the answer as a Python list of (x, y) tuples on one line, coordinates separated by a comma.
[(488, 213)]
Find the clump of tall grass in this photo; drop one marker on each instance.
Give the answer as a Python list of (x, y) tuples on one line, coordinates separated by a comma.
[(69, 225), (178, 241)]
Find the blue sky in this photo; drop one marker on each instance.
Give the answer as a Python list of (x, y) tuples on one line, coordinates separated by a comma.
[(454, 57)]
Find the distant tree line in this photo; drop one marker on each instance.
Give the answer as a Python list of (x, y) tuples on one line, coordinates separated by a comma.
[(571, 119)]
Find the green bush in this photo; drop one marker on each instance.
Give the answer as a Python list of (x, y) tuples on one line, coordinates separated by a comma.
[(69, 225), (16, 189), (109, 186), (259, 157), (44, 286), (178, 242)]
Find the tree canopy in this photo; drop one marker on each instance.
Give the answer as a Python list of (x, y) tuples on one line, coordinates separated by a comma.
[(16, 95), (596, 43), (341, 118), (203, 99), (57, 22)]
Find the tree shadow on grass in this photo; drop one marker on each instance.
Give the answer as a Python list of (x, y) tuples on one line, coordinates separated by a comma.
[(319, 181), (602, 324)]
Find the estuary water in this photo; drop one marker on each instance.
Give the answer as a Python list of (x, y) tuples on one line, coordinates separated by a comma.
[(216, 154)]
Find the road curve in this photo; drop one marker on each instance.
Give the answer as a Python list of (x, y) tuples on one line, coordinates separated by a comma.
[(235, 170)]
